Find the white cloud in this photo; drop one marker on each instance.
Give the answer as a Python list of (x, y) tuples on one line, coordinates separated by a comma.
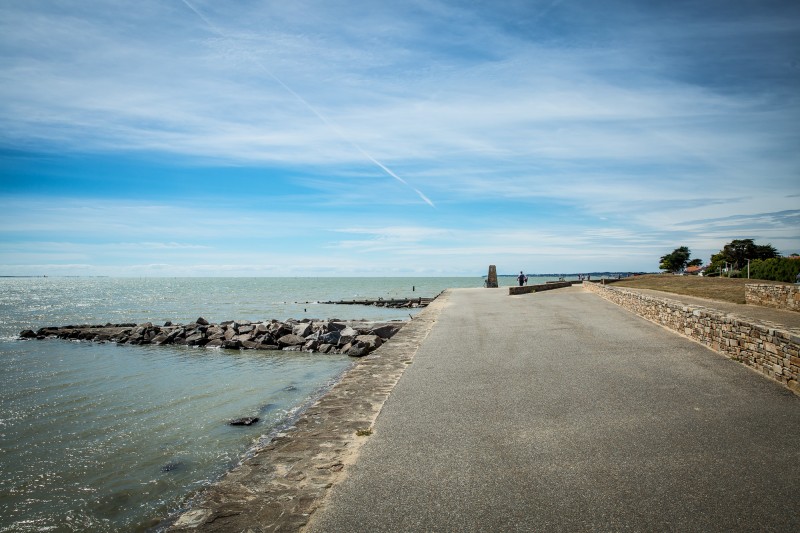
[(490, 114)]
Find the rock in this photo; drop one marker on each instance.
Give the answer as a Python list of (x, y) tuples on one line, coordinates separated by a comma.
[(245, 337), (202, 321), (230, 333), (325, 348), (244, 421), (291, 340), (265, 346), (197, 339), (302, 330), (231, 345), (249, 345), (370, 341), (279, 329), (348, 332), (213, 343), (172, 465), (27, 334), (160, 339), (386, 331), (215, 330), (358, 351), (332, 337), (246, 329)]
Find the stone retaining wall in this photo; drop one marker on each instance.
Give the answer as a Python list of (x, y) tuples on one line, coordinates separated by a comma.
[(550, 285), (778, 296), (772, 350)]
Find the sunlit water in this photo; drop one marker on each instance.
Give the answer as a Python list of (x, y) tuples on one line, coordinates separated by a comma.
[(105, 437)]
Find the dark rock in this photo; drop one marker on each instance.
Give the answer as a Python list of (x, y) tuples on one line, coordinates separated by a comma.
[(232, 345), (244, 421), (167, 324), (280, 329), (267, 346), (386, 331), (302, 329), (202, 321), (213, 343), (332, 337), (197, 339), (358, 351), (246, 337), (27, 334), (171, 466), (291, 340), (370, 341), (249, 345)]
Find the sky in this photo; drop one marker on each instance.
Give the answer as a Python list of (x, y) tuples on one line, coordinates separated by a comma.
[(407, 138)]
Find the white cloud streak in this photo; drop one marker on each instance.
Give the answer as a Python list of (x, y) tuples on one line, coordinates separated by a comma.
[(649, 131)]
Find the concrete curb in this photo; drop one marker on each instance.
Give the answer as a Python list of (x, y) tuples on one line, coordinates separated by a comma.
[(283, 483)]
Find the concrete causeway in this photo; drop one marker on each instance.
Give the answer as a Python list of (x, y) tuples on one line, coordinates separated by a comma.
[(559, 411)]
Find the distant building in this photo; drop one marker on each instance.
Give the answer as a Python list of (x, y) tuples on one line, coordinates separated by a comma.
[(694, 270)]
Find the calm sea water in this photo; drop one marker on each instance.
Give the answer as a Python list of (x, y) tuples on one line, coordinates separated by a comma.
[(100, 437)]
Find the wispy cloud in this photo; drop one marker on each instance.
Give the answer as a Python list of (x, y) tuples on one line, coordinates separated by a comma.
[(593, 128)]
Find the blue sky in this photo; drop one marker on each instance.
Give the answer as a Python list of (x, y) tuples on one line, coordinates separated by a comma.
[(337, 138)]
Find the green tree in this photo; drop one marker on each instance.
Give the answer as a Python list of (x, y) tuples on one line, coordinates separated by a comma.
[(675, 261), (736, 253), (775, 269)]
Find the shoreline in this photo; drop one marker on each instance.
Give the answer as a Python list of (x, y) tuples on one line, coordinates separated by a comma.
[(285, 481)]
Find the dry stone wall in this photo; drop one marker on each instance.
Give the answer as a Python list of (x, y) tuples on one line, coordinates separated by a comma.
[(777, 296), (772, 350)]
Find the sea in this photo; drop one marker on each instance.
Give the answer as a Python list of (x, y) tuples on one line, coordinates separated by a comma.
[(107, 437)]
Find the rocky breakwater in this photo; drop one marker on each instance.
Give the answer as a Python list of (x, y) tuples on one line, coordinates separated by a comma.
[(354, 338)]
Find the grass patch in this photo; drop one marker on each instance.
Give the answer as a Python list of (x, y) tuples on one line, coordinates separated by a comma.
[(724, 289), (364, 432)]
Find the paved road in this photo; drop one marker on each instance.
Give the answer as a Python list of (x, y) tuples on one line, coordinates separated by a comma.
[(559, 411)]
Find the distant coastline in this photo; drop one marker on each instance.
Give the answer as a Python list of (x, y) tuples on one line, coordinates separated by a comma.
[(575, 275)]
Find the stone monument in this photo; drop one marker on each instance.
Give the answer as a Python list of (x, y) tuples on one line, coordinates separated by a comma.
[(491, 279)]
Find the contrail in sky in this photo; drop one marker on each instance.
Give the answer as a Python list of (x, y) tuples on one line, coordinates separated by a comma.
[(311, 108)]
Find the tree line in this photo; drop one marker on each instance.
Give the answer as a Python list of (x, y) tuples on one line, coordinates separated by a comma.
[(738, 258)]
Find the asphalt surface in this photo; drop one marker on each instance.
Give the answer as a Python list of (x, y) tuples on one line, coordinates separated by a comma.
[(559, 411)]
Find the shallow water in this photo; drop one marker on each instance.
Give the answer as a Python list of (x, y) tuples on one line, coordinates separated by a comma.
[(101, 437)]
